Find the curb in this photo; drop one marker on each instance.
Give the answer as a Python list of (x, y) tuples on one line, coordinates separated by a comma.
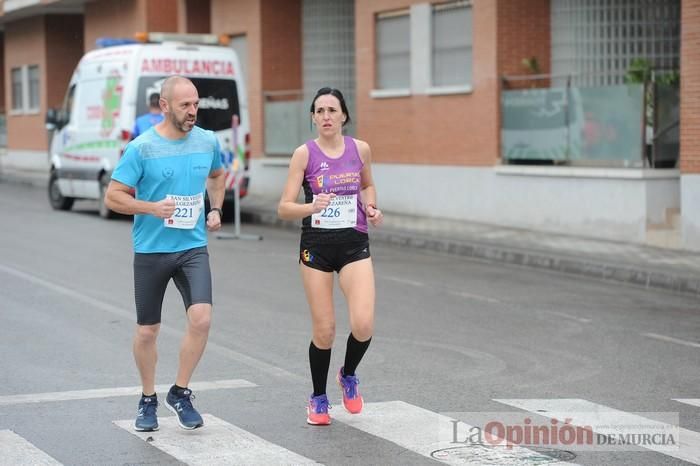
[(638, 276)]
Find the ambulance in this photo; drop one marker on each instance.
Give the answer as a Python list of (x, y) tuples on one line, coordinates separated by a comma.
[(111, 86)]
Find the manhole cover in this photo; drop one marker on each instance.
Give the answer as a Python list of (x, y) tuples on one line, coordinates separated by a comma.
[(478, 454)]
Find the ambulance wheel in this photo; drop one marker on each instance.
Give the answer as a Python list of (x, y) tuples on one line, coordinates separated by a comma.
[(57, 200), (105, 212)]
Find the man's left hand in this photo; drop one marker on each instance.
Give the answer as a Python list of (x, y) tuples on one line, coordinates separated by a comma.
[(213, 220)]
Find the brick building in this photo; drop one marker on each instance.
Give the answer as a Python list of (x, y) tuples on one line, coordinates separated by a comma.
[(426, 83)]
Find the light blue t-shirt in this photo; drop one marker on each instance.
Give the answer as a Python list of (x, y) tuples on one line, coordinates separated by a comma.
[(156, 167)]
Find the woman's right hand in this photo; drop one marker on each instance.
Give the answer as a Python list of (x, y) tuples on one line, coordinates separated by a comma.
[(321, 201)]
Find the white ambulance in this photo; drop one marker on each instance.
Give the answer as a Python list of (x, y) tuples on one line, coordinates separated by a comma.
[(111, 86)]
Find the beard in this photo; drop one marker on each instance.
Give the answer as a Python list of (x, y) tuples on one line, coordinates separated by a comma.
[(185, 124)]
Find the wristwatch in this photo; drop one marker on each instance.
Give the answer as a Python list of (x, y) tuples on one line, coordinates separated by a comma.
[(216, 209)]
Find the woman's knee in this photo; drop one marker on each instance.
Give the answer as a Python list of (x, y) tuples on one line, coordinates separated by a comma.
[(363, 331), (324, 334)]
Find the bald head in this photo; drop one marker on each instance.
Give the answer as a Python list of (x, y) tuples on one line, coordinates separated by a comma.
[(173, 84), (179, 101)]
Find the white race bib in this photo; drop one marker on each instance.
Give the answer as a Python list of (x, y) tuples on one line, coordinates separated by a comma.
[(187, 211), (340, 213)]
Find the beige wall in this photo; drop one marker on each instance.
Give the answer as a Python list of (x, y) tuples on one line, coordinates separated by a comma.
[(64, 47), (162, 15), (113, 18), (25, 45), (281, 45), (445, 130), (124, 18), (195, 16), (235, 17)]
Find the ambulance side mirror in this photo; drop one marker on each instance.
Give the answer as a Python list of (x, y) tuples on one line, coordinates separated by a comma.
[(51, 121)]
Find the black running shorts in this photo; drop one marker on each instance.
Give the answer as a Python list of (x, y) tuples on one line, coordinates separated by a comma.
[(332, 256), (189, 270)]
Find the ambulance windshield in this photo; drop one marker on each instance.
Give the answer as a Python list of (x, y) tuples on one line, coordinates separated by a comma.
[(218, 100)]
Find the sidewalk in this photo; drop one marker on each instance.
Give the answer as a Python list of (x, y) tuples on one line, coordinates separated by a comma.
[(644, 266), (648, 267)]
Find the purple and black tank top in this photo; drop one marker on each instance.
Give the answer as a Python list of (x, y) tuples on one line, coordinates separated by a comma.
[(345, 217)]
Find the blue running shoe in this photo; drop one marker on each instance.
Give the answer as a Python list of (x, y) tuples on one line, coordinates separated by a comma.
[(181, 404), (317, 411), (147, 420), (352, 400)]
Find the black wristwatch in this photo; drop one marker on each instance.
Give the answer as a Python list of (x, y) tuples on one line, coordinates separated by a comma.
[(216, 209)]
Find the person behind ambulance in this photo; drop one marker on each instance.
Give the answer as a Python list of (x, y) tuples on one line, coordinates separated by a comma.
[(170, 166), (149, 119), (340, 199)]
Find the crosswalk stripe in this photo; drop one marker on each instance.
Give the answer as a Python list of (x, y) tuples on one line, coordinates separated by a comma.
[(14, 449), (428, 434), (217, 443), (116, 391), (591, 414), (689, 401)]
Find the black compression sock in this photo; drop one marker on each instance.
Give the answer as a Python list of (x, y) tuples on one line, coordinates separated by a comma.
[(353, 354), (319, 360)]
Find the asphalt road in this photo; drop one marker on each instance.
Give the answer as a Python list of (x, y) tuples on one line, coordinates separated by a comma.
[(456, 340)]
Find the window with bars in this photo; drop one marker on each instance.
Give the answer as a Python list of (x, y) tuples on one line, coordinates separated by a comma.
[(595, 41), (451, 44), (393, 50)]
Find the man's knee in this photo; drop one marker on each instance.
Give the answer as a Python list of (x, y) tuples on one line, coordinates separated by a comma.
[(147, 334), (199, 316)]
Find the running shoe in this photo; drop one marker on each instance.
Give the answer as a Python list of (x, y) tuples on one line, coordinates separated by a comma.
[(146, 419), (181, 404), (317, 411), (352, 400)]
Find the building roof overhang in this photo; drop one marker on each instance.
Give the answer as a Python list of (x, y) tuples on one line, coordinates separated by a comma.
[(13, 10)]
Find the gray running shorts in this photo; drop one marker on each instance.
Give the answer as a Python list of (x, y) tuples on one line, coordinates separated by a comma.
[(189, 270)]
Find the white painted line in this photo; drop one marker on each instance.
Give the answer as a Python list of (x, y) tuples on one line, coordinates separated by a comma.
[(403, 281), (16, 450), (582, 320), (117, 391), (689, 401), (165, 329), (430, 434), (678, 341), (464, 294), (216, 443), (608, 421)]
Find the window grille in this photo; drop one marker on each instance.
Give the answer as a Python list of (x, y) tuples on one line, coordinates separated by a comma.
[(595, 41)]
